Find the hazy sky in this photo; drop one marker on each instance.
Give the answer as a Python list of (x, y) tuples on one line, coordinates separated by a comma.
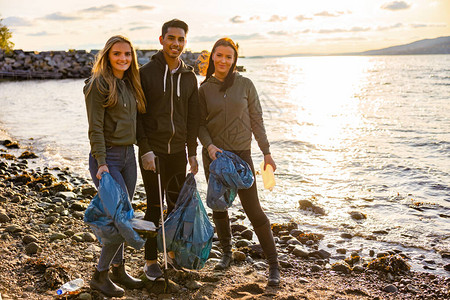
[(261, 27)]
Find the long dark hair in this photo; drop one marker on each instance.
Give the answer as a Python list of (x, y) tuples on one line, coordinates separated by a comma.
[(229, 80)]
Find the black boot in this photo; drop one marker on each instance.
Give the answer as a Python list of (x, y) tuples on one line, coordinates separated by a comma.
[(120, 276), (265, 237), (100, 281), (223, 230)]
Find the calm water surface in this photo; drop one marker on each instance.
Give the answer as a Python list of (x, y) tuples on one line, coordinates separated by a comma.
[(366, 134)]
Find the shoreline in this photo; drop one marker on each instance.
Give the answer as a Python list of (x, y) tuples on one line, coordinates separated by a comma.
[(46, 243)]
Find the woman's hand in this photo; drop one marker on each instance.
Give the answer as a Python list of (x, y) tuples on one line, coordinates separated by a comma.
[(148, 161), (212, 150), (268, 160), (101, 169)]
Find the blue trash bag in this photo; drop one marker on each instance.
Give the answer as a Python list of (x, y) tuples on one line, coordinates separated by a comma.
[(188, 230), (109, 214), (227, 174)]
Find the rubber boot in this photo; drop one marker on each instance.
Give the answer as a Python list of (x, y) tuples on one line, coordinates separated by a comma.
[(265, 237), (101, 282), (223, 230), (119, 275)]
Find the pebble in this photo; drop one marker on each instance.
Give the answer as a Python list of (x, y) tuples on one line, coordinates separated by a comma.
[(88, 237), (260, 265), (300, 252), (239, 256), (341, 266), (357, 215), (346, 235), (57, 236), (193, 285), (29, 239), (84, 296), (32, 248), (447, 267), (316, 268), (214, 254), (241, 243), (341, 251), (13, 229), (390, 288), (4, 218), (247, 234), (50, 220)]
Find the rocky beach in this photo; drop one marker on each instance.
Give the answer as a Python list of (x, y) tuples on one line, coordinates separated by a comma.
[(19, 64), (44, 243)]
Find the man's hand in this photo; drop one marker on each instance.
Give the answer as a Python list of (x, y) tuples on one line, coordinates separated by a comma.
[(148, 161), (212, 150), (101, 169), (194, 164), (268, 160)]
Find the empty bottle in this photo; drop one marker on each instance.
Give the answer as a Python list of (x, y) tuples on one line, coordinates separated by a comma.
[(70, 287), (268, 176)]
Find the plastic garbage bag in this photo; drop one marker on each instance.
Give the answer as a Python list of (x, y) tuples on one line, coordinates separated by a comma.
[(188, 230), (109, 214), (228, 174)]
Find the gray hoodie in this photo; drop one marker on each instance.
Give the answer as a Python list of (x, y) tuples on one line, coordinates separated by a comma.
[(228, 118)]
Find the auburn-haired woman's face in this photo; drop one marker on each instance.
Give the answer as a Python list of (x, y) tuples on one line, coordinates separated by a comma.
[(120, 58), (223, 58)]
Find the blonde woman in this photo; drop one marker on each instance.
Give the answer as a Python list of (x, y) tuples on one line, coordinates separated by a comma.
[(113, 96)]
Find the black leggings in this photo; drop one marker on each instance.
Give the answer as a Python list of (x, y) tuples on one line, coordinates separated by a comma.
[(249, 197), (173, 174)]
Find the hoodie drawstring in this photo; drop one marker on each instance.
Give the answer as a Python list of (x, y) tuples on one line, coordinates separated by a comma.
[(178, 86), (165, 77)]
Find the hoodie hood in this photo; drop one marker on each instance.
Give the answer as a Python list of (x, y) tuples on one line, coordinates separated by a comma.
[(183, 68), (214, 80)]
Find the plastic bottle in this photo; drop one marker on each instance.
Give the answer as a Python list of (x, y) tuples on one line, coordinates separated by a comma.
[(268, 176), (70, 287)]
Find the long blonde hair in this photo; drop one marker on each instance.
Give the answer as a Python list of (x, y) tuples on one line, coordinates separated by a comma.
[(108, 85)]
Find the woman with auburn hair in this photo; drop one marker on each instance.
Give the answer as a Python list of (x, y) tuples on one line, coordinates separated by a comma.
[(113, 96), (230, 113)]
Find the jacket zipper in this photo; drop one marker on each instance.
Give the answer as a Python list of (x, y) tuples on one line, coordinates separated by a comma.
[(171, 113)]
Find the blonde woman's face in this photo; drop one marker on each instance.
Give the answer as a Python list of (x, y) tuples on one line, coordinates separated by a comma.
[(120, 58)]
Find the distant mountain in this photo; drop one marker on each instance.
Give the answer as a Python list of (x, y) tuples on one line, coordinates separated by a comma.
[(440, 45)]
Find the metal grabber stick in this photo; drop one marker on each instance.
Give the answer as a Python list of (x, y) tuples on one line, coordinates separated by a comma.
[(158, 171)]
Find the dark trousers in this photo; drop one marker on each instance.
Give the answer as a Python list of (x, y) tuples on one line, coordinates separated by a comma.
[(173, 174), (249, 197)]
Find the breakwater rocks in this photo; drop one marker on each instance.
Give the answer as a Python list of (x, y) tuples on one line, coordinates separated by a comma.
[(45, 243), (19, 64)]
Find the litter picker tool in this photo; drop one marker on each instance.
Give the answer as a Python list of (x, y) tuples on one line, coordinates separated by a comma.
[(158, 172)]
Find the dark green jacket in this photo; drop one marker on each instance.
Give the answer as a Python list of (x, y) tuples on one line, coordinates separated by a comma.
[(228, 118), (172, 118), (111, 126)]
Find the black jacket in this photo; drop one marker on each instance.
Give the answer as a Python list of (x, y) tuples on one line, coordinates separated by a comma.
[(172, 118)]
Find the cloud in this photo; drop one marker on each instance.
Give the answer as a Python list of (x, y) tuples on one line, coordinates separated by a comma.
[(58, 16), (281, 32), (342, 39), (339, 30), (140, 28), (236, 19), (326, 14), (241, 37), (17, 21), (141, 7), (396, 5), (277, 18), (382, 28), (110, 8), (41, 33), (416, 25), (301, 18), (235, 37)]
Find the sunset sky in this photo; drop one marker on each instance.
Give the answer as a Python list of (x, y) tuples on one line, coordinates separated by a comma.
[(262, 27)]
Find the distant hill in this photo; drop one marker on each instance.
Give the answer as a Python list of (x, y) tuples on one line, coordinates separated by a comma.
[(440, 45)]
